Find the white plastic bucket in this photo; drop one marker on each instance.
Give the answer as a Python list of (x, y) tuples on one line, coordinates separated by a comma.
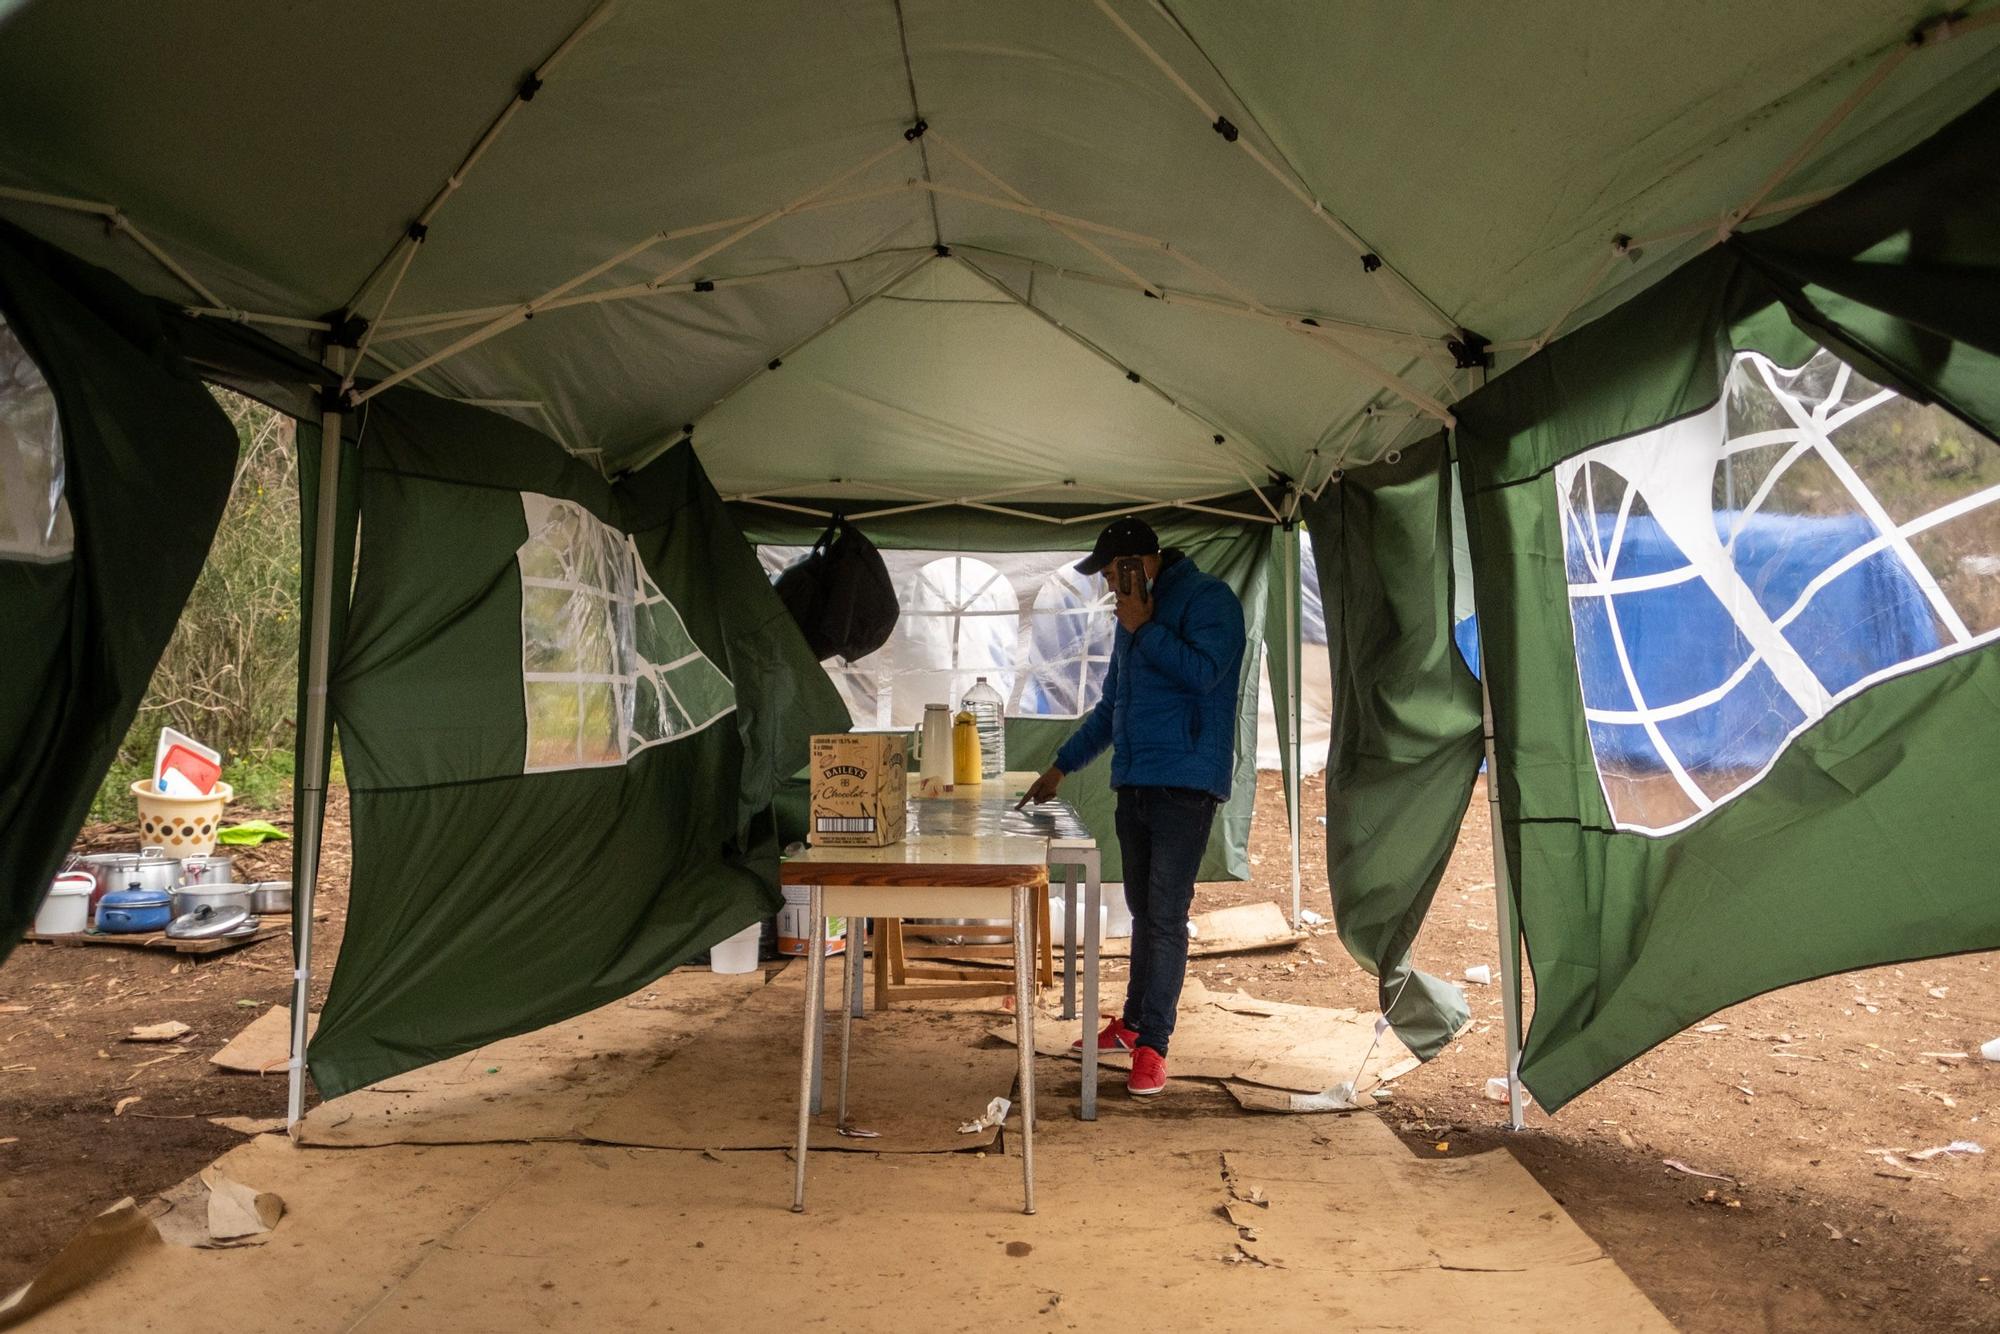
[(1059, 916), (792, 924), (737, 954), (66, 910), (1119, 913)]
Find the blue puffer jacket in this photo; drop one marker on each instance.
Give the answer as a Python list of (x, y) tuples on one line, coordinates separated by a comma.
[(1169, 706)]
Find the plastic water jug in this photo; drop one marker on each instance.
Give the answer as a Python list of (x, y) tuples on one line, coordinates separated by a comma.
[(988, 710)]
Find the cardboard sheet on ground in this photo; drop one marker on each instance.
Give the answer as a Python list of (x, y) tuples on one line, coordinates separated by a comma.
[(116, 1236), (541, 1085), (916, 1077), (1234, 1036), (265, 1045), (1350, 1231), (1240, 930)]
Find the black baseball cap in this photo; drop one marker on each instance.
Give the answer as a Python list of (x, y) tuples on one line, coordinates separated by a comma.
[(1121, 537)]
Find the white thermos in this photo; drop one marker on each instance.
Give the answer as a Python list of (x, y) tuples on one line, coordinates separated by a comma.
[(934, 754)]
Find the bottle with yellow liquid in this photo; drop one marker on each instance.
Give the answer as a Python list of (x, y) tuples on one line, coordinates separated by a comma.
[(965, 748)]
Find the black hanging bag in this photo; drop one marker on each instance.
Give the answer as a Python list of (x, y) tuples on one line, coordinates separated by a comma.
[(840, 594)]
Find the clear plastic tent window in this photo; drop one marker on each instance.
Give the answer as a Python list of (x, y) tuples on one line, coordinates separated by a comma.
[(1039, 632), (1736, 575), (607, 665), (34, 516)]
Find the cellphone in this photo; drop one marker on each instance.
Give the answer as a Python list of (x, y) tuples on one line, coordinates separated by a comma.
[(1130, 576)]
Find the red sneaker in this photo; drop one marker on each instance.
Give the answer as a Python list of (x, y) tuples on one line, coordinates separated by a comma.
[(1115, 1037), (1149, 1073)]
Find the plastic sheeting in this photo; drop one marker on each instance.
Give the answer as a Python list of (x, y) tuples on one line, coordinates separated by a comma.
[(1039, 632), (1735, 575), (34, 514)]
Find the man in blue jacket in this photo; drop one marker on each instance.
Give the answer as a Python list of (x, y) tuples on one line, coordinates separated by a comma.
[(1169, 716)]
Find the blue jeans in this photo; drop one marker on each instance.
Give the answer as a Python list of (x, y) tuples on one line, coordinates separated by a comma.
[(1162, 832)]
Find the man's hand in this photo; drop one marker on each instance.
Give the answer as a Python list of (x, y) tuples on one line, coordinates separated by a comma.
[(1135, 608), (1043, 788)]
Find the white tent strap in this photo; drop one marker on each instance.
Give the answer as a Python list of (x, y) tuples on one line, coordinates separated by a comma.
[(526, 310), (1354, 360), (844, 313), (1077, 237), (116, 222), (1933, 33), (255, 317), (449, 320), (1174, 295), (1285, 176), (539, 407), (1141, 505), (413, 236), (1759, 204), (1241, 465)]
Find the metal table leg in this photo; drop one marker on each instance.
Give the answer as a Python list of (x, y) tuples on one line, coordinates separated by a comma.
[(1069, 941), (809, 1048), (1024, 1033), (816, 986), (1093, 900), (857, 942), (850, 997)]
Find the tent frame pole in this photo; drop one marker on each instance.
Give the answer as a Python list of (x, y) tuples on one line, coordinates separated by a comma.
[(309, 821), (1509, 925), (1294, 725)]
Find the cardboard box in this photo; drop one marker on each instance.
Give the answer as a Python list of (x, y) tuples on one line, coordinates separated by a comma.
[(859, 789)]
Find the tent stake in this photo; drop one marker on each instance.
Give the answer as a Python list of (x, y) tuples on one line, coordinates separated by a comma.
[(1503, 898), (312, 742)]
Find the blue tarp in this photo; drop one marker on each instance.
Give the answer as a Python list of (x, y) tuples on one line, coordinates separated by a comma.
[(1683, 642)]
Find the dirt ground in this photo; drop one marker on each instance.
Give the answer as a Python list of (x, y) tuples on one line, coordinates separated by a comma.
[(1812, 1232)]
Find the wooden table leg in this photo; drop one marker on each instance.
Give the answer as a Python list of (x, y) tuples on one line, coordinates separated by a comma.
[(1024, 1034), (1044, 940), (815, 940)]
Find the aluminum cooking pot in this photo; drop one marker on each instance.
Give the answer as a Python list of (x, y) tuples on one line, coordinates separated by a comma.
[(122, 870), (271, 896), (219, 897), (211, 869)]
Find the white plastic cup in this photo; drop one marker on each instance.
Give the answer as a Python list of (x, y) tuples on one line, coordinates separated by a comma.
[(737, 954), (1480, 973), (1991, 1051)]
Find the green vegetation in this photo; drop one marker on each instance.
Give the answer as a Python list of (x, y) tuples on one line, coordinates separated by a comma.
[(229, 676)]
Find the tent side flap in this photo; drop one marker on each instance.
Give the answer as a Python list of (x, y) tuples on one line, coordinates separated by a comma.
[(1406, 722), (115, 466), (560, 701), (1741, 617)]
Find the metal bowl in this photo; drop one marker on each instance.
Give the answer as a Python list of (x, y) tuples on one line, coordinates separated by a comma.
[(219, 897), (271, 896)]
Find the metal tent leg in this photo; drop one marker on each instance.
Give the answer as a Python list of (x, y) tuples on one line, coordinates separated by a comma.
[(1294, 726), (312, 748)]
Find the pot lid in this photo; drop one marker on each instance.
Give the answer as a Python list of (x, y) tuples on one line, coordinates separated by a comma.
[(207, 922), (137, 898)]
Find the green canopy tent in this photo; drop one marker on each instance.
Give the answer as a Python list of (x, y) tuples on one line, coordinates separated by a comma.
[(1035, 264)]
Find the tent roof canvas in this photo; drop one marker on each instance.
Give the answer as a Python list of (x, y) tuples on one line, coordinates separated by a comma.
[(1278, 216)]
